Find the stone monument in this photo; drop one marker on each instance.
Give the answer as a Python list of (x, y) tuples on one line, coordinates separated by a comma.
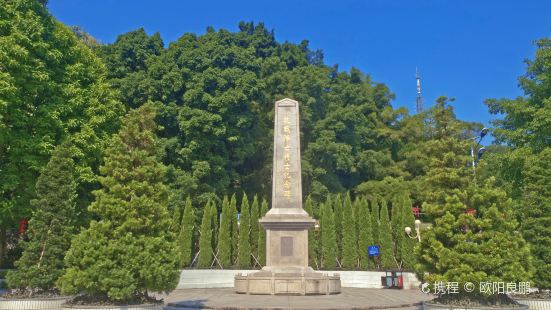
[(287, 271)]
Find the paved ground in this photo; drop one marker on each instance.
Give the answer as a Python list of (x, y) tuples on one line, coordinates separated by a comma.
[(350, 298)]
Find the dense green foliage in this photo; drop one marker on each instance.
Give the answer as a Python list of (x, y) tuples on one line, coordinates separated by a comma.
[(224, 234), (51, 226), (185, 237), (262, 235), (349, 241), (130, 249), (244, 247), (52, 89)]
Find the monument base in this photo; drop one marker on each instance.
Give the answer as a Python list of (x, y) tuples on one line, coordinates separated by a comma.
[(287, 281)]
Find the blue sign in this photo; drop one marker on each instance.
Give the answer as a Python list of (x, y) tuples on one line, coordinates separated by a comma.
[(373, 250)]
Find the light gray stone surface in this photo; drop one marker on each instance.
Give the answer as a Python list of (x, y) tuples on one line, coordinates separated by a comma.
[(350, 298)]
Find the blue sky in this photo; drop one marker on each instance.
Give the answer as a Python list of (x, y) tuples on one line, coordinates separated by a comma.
[(470, 50)]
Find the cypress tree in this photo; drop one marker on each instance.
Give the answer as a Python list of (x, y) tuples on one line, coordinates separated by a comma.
[(244, 251), (312, 238), (385, 239), (337, 222), (375, 228), (214, 224), (224, 234), (396, 222), (205, 238), (175, 224), (234, 229), (50, 228), (130, 249), (328, 238), (408, 257), (349, 240), (185, 238), (255, 226), (262, 235), (365, 238)]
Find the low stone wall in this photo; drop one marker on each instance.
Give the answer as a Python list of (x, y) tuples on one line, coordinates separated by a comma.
[(133, 307), (32, 304), (208, 278)]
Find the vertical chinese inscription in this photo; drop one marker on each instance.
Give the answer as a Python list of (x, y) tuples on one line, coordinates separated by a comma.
[(287, 192)]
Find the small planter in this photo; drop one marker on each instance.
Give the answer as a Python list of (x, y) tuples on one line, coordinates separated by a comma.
[(434, 306), (535, 303), (158, 306), (53, 303)]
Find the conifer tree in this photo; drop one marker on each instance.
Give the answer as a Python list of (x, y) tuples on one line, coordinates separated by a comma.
[(385, 239), (375, 227), (328, 238), (408, 257), (50, 228), (349, 242), (337, 218), (365, 238), (234, 230), (175, 224), (185, 238), (396, 222), (255, 226), (204, 260), (214, 224), (312, 238), (130, 249), (244, 251), (262, 235), (224, 235)]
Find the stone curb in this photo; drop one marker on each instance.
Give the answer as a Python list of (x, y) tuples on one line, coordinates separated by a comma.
[(174, 306)]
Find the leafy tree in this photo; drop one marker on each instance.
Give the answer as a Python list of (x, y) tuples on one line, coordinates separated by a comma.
[(51, 227), (350, 241), (244, 251), (130, 249), (224, 234), (185, 238), (255, 226), (524, 128), (262, 235), (204, 259), (53, 89), (385, 239), (328, 238)]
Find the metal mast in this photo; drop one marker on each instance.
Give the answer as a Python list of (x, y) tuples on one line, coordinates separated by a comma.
[(419, 100)]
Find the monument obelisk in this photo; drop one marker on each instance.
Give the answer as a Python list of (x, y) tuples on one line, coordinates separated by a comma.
[(287, 224)]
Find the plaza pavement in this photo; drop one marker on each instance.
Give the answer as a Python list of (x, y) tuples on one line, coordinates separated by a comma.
[(350, 298)]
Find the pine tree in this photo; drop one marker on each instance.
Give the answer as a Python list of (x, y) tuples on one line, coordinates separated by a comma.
[(349, 242), (262, 235), (365, 238), (255, 226), (328, 238), (214, 224), (234, 230), (130, 249), (385, 239), (244, 251), (185, 238), (204, 259), (51, 226), (224, 235), (175, 224), (396, 222), (408, 257), (375, 228), (312, 238)]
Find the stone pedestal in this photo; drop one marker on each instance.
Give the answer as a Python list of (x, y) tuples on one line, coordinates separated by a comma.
[(287, 224)]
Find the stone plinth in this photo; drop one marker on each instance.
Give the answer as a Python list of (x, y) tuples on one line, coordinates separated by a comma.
[(287, 271)]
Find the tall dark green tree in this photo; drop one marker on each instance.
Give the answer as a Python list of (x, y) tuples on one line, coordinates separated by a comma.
[(338, 209), (51, 227), (130, 249), (204, 260), (313, 242), (224, 234), (385, 239), (349, 241), (244, 250), (262, 235), (255, 226), (185, 237), (407, 244), (328, 238), (234, 229), (365, 236)]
